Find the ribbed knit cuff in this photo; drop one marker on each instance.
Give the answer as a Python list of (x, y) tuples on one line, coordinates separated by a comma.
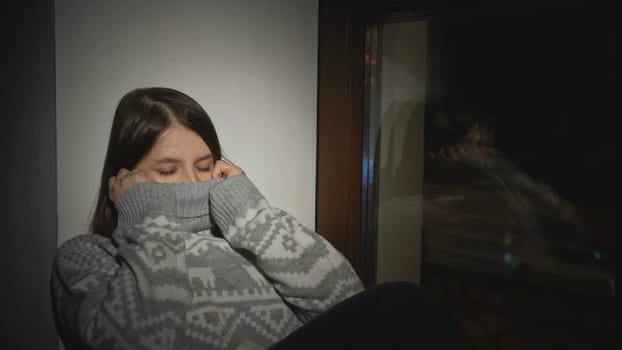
[(141, 200), (231, 198)]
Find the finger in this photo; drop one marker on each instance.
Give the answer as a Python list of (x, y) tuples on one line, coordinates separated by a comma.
[(112, 188), (132, 178), (121, 175), (122, 172), (144, 174), (111, 181), (218, 171), (141, 176)]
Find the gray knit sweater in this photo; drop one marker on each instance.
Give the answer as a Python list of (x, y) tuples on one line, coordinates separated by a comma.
[(167, 280)]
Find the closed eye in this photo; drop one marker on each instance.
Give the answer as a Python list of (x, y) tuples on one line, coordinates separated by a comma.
[(166, 172)]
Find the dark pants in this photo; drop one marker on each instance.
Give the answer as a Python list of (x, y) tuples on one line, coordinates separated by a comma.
[(396, 315)]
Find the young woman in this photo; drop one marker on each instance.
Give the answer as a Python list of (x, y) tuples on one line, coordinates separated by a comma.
[(187, 254)]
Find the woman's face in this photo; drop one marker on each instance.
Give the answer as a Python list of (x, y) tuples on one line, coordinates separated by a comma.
[(178, 155)]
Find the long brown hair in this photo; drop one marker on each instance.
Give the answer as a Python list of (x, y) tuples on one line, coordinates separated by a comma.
[(141, 116)]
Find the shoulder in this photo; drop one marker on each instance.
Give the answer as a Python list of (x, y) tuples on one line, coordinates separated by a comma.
[(89, 251), (85, 244), (83, 267)]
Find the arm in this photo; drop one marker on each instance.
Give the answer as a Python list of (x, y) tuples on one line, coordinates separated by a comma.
[(131, 294), (308, 272)]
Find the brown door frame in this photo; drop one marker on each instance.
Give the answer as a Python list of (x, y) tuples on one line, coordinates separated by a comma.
[(339, 136)]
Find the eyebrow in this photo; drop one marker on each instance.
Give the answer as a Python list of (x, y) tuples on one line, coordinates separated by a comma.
[(175, 161)]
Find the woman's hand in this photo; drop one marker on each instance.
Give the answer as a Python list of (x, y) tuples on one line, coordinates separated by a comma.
[(124, 180), (224, 169)]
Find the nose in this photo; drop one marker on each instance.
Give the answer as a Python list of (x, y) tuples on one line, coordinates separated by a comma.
[(189, 176)]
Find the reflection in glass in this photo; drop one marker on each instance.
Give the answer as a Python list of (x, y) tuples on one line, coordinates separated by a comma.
[(493, 154)]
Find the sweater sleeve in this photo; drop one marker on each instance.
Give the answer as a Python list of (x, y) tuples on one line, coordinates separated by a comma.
[(130, 294), (308, 272)]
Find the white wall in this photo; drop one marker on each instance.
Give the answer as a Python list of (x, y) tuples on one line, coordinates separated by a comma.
[(251, 64)]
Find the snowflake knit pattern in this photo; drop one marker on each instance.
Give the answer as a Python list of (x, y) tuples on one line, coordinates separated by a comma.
[(207, 265)]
